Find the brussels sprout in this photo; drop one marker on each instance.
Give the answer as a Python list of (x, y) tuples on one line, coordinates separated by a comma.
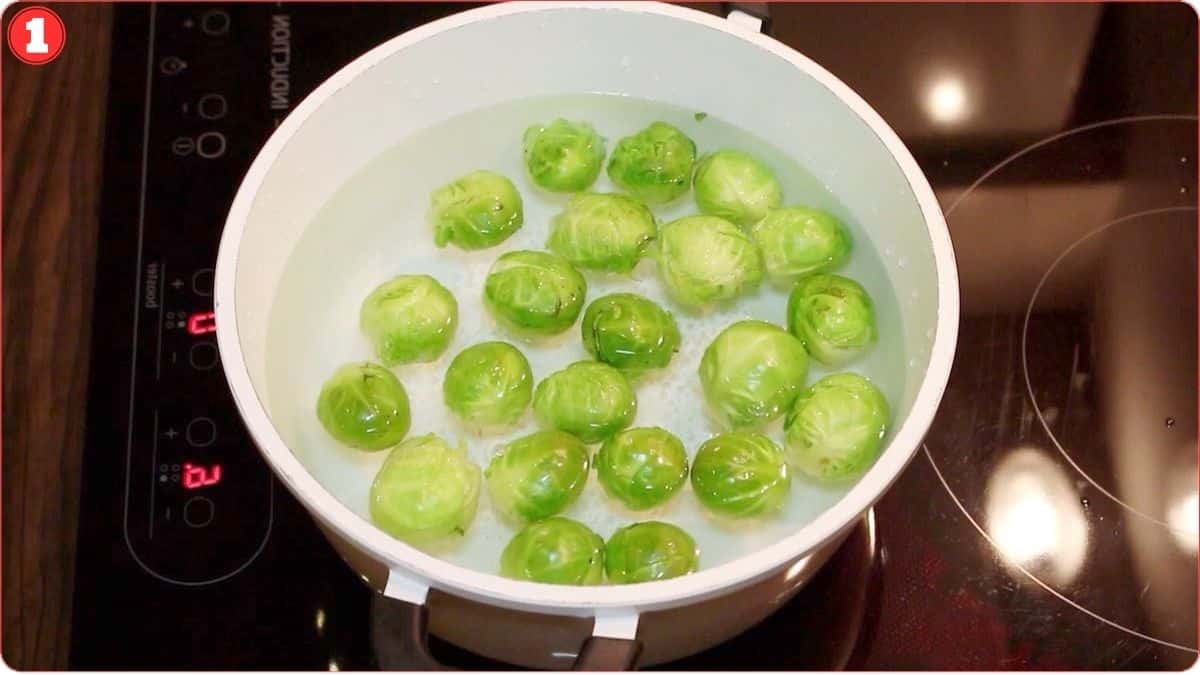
[(649, 551), (643, 467), (488, 384), (555, 551), (410, 319), (705, 259), (655, 164), (735, 186), (833, 316), (425, 491), (834, 430), (629, 332), (588, 399), (534, 293), (537, 476), (602, 232), (563, 156), (796, 241), (741, 474), (479, 210), (364, 406), (752, 372)]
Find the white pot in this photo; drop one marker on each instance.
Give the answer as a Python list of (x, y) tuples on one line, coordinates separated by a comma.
[(516, 50)]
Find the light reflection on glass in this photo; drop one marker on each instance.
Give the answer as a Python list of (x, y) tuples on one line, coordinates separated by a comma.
[(1183, 508), (1183, 517), (946, 100), (1034, 516), (333, 666), (320, 621)]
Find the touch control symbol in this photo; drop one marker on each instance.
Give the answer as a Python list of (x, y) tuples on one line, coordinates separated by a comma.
[(210, 144), (212, 106), (199, 511), (203, 356), (172, 65), (215, 22), (201, 432)]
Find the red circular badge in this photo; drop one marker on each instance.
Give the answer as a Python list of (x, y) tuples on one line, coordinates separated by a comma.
[(36, 35)]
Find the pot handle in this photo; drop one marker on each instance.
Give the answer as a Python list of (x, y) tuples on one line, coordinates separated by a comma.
[(612, 646), (413, 641), (753, 15)]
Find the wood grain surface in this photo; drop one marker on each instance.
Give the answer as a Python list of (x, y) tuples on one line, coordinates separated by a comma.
[(53, 118)]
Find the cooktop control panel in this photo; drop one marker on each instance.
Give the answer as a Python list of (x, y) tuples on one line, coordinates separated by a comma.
[(198, 498)]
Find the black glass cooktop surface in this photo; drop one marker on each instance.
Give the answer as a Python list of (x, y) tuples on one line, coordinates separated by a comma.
[(1049, 521)]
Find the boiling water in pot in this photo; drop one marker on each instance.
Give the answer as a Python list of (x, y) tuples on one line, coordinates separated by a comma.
[(375, 227)]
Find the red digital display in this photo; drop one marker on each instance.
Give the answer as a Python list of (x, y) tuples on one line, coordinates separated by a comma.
[(196, 477), (202, 323)]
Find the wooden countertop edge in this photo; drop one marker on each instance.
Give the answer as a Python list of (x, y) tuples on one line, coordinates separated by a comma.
[(53, 135)]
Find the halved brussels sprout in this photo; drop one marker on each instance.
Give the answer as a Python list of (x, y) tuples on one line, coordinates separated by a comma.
[(410, 319), (735, 186), (643, 467), (752, 372), (563, 156), (629, 332), (488, 384), (741, 474), (479, 210), (796, 241), (655, 164), (833, 316), (364, 406), (602, 232), (425, 491), (534, 293), (537, 476), (588, 399), (836, 427), (649, 551), (705, 259), (555, 551)]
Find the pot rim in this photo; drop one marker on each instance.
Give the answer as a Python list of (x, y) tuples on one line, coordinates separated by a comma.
[(426, 570)]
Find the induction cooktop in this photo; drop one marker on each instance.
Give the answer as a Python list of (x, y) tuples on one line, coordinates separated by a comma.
[(1049, 520)]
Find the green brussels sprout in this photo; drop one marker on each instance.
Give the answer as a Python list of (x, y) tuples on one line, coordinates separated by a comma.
[(629, 332), (752, 372), (735, 186), (836, 427), (410, 319), (796, 241), (534, 293), (741, 474), (655, 164), (555, 551), (605, 232), (705, 259), (488, 384), (563, 156), (364, 406), (537, 476), (643, 467), (833, 316), (588, 399), (425, 491), (649, 551), (479, 210)]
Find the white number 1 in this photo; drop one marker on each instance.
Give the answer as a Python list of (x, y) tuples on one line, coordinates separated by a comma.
[(37, 36)]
